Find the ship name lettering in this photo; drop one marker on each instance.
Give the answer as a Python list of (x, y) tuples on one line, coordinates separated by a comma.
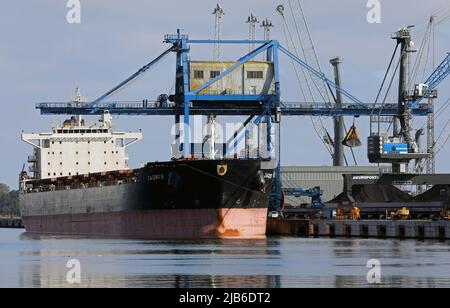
[(155, 177)]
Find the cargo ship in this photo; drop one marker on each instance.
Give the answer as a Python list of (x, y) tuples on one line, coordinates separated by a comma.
[(80, 185)]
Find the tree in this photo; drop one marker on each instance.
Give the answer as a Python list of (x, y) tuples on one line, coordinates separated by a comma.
[(9, 201)]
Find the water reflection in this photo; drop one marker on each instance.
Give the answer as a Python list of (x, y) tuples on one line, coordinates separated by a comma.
[(47, 278), (133, 263), (40, 261)]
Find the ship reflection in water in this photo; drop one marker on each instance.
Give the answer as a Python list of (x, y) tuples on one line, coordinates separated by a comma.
[(29, 261)]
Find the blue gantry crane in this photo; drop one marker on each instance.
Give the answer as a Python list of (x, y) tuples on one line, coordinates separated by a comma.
[(188, 100)]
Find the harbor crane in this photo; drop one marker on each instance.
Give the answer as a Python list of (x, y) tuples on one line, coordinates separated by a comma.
[(188, 101)]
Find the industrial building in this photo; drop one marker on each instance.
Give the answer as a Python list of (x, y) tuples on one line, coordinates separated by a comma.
[(329, 179)]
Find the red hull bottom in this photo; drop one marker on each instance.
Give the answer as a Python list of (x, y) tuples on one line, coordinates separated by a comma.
[(156, 224)]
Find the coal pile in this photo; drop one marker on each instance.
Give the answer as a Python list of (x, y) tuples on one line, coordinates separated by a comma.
[(389, 193), (375, 193), (432, 195)]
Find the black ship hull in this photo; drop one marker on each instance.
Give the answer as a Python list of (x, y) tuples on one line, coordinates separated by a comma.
[(177, 199)]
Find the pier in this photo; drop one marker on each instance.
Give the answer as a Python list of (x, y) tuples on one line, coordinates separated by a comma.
[(401, 229)]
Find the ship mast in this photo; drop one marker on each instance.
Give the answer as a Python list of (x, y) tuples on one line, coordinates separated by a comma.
[(211, 120), (78, 100)]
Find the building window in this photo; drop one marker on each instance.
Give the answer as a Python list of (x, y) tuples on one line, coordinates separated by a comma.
[(89, 153), (117, 162), (199, 74), (77, 163), (54, 173), (214, 74), (48, 153), (60, 163), (60, 173), (60, 153), (89, 162), (255, 74), (76, 152), (104, 152), (105, 162), (53, 142), (49, 174), (70, 173), (60, 142)]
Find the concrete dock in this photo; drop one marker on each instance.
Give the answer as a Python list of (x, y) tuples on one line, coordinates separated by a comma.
[(403, 229)]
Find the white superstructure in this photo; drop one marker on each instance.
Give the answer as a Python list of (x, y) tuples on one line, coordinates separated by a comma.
[(75, 148)]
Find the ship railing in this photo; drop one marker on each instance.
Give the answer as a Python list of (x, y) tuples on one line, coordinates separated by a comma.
[(30, 188), (324, 105), (142, 104)]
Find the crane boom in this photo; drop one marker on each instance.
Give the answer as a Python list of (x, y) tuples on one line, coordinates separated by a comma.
[(129, 79)]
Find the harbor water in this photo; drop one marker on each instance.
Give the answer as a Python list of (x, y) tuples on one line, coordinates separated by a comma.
[(30, 261)]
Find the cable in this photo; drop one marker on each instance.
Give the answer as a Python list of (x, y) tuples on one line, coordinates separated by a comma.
[(289, 38), (385, 76), (441, 110), (311, 47), (285, 30), (392, 80)]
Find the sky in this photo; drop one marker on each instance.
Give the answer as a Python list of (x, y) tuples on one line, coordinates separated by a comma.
[(43, 58)]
